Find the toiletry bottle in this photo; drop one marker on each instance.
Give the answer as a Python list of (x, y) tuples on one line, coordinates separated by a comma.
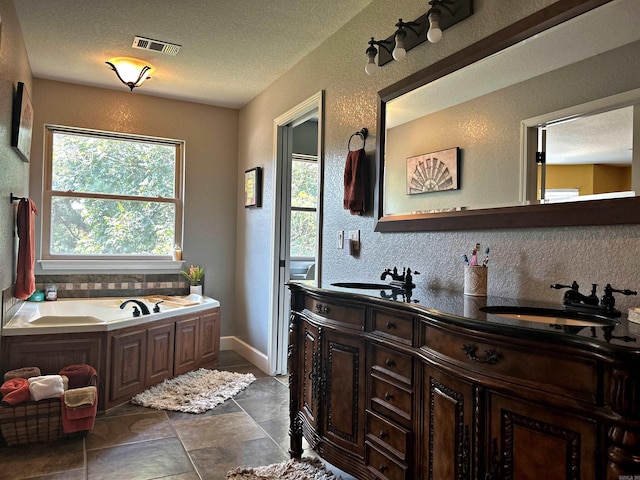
[(51, 292), (177, 252)]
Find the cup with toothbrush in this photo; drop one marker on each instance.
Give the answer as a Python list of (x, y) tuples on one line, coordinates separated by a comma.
[(475, 272)]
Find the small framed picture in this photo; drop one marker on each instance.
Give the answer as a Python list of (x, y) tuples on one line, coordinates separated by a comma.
[(433, 172), (253, 187), (22, 123)]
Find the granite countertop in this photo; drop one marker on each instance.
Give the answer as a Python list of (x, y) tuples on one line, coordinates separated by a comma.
[(464, 310)]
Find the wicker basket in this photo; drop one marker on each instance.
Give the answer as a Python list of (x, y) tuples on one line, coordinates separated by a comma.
[(31, 422)]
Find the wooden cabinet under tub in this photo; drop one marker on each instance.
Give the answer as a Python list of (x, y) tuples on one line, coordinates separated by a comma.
[(128, 360), (439, 390)]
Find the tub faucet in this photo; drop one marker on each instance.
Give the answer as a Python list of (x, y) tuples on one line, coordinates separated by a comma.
[(136, 312)]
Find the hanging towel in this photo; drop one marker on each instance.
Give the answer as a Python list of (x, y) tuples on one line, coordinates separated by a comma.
[(25, 276), (15, 391), (46, 386), (354, 182), (79, 407)]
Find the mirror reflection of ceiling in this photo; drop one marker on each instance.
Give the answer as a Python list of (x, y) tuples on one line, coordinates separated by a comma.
[(604, 139), (588, 35)]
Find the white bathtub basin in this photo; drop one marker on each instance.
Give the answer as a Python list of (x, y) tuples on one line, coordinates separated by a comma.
[(100, 314)]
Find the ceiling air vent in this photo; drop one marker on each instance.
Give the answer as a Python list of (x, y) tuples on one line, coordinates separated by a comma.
[(155, 45)]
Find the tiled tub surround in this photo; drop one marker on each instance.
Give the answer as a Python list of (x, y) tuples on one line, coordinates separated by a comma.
[(114, 285)]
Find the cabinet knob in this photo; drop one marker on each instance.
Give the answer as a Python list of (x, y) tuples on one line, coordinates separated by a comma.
[(390, 325), (389, 363), (383, 434), (387, 396), (382, 468)]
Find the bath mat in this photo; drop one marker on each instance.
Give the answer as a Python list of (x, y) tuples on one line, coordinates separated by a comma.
[(194, 392), (304, 469)]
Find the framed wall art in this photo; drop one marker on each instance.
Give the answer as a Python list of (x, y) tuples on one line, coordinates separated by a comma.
[(433, 172), (253, 187), (22, 123)]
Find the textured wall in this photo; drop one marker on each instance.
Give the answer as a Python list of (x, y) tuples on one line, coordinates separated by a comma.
[(14, 173), (524, 261), (211, 139)]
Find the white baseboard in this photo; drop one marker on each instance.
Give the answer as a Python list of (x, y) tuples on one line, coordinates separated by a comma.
[(252, 354)]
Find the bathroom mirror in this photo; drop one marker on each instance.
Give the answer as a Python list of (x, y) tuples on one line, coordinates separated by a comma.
[(479, 101)]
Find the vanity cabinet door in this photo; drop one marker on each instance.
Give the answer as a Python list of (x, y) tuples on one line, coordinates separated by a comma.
[(344, 400), (311, 373), (447, 426), (526, 439)]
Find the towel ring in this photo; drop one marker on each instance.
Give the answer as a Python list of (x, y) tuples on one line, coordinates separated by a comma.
[(363, 134)]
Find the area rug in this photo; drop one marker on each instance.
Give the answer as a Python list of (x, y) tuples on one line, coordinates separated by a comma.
[(304, 469), (194, 392)]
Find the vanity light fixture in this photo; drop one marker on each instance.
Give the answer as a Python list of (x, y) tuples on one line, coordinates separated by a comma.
[(441, 15), (130, 71)]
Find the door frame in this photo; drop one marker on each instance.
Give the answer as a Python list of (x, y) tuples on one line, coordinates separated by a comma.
[(277, 356)]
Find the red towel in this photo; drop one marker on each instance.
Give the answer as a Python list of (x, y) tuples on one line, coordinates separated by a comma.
[(25, 276), (79, 419), (354, 182), (15, 391), (79, 375)]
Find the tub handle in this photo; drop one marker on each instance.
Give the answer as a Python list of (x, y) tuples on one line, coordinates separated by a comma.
[(136, 311), (156, 309)]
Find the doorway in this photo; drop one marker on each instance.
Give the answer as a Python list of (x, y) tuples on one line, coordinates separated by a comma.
[(297, 216)]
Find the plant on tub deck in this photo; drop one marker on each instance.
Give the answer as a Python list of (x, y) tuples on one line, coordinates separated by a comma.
[(194, 275)]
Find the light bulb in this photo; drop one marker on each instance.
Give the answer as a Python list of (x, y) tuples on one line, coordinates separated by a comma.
[(371, 68), (434, 34), (399, 52)]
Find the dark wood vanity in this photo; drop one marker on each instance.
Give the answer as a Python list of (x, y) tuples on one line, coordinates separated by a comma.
[(389, 387)]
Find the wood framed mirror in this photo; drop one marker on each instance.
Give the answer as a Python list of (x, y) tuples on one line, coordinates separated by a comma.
[(523, 212)]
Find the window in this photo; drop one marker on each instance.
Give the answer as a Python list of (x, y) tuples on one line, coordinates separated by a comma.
[(111, 196), (304, 200)]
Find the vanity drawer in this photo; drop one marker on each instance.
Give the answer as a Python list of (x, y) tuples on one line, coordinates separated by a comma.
[(388, 435), (382, 466), (348, 315), (394, 326), (392, 363), (391, 400), (568, 375)]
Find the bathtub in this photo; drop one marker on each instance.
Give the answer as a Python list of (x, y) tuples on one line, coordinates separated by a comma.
[(71, 315)]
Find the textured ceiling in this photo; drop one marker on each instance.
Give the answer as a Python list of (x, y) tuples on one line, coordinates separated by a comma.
[(231, 49)]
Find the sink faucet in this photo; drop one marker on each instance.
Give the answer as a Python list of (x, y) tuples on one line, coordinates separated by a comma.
[(574, 300), (405, 279), (136, 312)]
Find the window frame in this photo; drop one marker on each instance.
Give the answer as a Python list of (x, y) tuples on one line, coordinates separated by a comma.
[(56, 261), (299, 157)]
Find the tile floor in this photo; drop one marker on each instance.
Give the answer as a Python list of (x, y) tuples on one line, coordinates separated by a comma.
[(137, 443)]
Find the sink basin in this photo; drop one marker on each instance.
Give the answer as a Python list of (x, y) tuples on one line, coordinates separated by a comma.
[(550, 316), (364, 286)]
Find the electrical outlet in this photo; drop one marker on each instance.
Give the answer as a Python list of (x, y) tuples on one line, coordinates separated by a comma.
[(340, 239)]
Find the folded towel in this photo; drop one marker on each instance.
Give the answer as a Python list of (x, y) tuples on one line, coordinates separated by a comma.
[(80, 375), (25, 372), (15, 390), (354, 182), (46, 386), (80, 397)]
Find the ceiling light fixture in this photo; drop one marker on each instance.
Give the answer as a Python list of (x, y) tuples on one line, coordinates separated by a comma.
[(130, 71), (429, 27)]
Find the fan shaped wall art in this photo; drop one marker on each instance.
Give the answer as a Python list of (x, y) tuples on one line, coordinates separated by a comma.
[(433, 172)]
